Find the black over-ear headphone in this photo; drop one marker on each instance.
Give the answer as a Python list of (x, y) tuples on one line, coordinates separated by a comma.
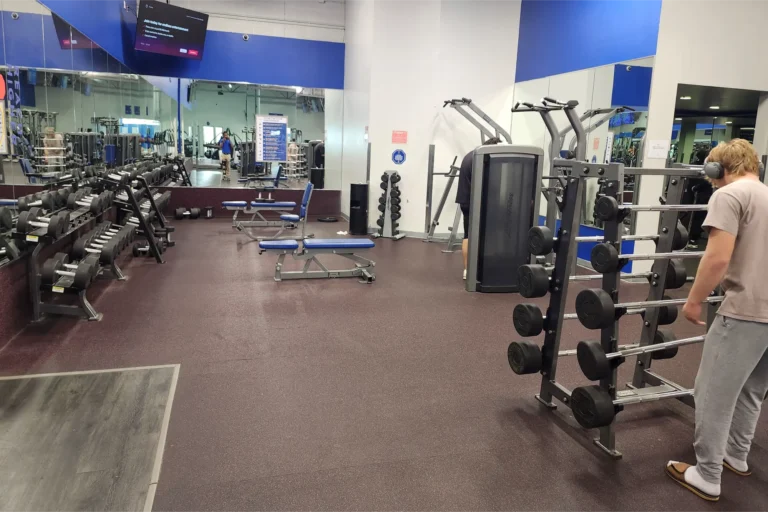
[(714, 170)]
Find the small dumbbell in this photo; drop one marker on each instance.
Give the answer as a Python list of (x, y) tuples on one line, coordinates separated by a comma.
[(106, 251), (82, 273), (96, 204), (56, 225), (45, 200), (124, 236), (180, 213)]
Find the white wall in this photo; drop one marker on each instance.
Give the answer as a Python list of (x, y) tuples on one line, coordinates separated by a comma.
[(425, 52), (334, 123), (678, 60), (357, 94), (301, 19)]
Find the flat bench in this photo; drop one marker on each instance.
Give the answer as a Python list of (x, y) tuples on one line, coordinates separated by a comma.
[(310, 248), (254, 208)]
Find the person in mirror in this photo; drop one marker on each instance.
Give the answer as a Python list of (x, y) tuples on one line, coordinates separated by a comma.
[(732, 380), (464, 195), (226, 150)]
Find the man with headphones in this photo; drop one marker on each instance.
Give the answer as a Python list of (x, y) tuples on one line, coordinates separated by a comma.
[(732, 381)]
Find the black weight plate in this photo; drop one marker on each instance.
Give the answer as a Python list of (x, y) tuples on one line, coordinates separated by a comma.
[(680, 240), (528, 320), (595, 308), (54, 227), (663, 336), (395, 201), (380, 222), (382, 208), (606, 208), (64, 220), (592, 361), (96, 205), (48, 272), (592, 407), (676, 275), (395, 193), (384, 178), (604, 258), (6, 218), (394, 208), (179, 213), (540, 240), (395, 216), (383, 199), (532, 281), (667, 314), (194, 213), (395, 178), (83, 275), (383, 185), (524, 357)]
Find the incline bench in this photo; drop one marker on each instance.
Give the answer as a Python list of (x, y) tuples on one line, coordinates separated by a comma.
[(312, 247)]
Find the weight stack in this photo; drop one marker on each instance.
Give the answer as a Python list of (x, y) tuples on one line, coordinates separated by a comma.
[(358, 209)]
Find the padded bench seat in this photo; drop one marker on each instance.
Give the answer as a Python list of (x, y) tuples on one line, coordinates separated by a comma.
[(279, 245), (338, 243), (277, 204), (290, 217), (234, 204)]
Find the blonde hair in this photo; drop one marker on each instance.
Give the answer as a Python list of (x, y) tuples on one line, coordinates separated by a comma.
[(738, 157)]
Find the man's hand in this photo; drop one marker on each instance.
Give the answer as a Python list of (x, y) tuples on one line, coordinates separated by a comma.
[(692, 312)]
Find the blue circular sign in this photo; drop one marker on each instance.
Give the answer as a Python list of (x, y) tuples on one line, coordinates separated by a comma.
[(398, 156)]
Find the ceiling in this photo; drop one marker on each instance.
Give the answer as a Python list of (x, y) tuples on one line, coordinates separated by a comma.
[(732, 102)]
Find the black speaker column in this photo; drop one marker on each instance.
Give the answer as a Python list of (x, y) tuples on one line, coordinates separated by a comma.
[(358, 209)]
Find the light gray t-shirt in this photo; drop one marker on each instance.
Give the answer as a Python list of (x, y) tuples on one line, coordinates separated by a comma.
[(741, 208)]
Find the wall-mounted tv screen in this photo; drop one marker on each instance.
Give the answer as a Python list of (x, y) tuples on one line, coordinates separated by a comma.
[(170, 30), (70, 40)]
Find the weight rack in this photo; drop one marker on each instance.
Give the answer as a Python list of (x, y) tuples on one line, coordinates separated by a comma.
[(391, 192), (646, 384)]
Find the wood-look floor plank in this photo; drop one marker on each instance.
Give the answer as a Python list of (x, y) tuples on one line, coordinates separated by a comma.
[(81, 441)]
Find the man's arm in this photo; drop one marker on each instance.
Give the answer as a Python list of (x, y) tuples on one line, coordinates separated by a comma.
[(713, 264)]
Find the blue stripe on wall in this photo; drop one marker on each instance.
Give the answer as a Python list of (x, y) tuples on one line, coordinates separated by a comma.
[(567, 35), (631, 88), (261, 59)]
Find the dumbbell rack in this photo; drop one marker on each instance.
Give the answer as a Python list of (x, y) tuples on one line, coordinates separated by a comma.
[(390, 191), (122, 185), (41, 239)]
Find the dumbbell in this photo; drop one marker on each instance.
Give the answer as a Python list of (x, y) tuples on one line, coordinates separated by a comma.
[(395, 216), (105, 233), (383, 199), (596, 310), (530, 321), (82, 273), (148, 216), (182, 212), (597, 365), (395, 208), (56, 225), (96, 204), (535, 281), (541, 240), (395, 200), (107, 251), (395, 178), (395, 193), (382, 207), (385, 178), (143, 249), (60, 197), (605, 258), (380, 222), (42, 199)]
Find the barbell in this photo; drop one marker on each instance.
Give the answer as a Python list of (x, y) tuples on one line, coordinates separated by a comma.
[(607, 208), (541, 240), (596, 364), (605, 258), (535, 281), (596, 310), (530, 321)]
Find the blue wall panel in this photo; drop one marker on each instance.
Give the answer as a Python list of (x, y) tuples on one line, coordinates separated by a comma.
[(631, 88), (24, 40), (567, 35), (261, 60)]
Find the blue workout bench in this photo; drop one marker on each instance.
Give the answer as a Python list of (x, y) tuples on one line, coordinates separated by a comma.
[(287, 219), (312, 247)]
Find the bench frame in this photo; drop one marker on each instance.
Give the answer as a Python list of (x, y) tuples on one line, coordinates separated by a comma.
[(253, 222), (363, 268)]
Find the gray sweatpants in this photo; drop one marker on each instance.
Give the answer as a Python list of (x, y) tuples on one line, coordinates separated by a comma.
[(730, 387)]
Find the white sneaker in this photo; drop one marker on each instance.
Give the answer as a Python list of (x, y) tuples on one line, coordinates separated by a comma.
[(465, 274)]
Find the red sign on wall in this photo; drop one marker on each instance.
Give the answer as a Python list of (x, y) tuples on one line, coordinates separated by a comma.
[(399, 137), (596, 143)]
